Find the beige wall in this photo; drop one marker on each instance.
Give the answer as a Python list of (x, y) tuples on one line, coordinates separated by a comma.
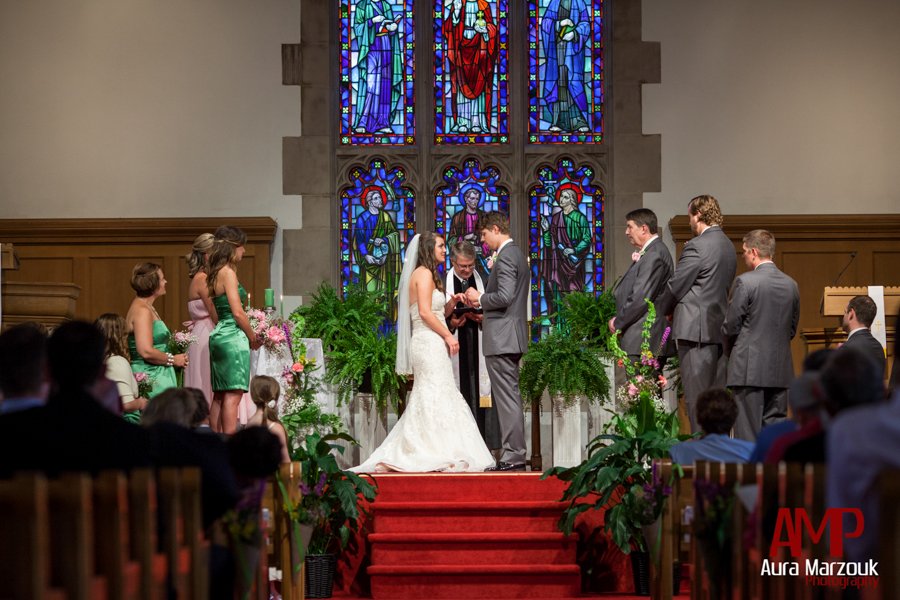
[(775, 106), (139, 108)]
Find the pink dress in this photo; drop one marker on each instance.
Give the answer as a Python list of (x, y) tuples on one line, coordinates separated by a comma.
[(196, 374)]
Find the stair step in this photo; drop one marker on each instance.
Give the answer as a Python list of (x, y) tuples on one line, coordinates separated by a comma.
[(475, 581), (470, 487), (439, 517), (472, 548)]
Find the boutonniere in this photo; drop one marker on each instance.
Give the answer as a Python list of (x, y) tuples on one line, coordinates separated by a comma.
[(491, 259), (636, 256)]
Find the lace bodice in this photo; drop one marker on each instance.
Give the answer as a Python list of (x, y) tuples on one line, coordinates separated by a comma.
[(437, 308)]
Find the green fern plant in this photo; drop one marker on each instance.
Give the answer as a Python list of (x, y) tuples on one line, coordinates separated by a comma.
[(587, 316), (330, 316), (560, 364), (366, 361)]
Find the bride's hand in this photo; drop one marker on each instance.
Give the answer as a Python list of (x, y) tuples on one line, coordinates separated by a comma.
[(452, 344)]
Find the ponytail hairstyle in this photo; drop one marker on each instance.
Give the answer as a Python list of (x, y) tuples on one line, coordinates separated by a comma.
[(427, 259), (228, 240), (196, 260), (264, 389)]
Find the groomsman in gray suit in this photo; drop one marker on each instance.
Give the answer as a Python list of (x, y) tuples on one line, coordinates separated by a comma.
[(650, 271), (698, 294), (760, 323), (505, 305)]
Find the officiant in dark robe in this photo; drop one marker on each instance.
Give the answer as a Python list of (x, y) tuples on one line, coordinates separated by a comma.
[(469, 368)]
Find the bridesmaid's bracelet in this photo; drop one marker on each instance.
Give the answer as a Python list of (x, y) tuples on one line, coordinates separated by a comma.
[(170, 359)]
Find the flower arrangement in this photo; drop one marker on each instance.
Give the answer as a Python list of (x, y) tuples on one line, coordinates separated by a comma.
[(145, 384), (273, 332), (181, 340), (643, 379), (300, 413)]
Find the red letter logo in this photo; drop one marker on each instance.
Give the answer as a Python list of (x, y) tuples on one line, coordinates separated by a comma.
[(792, 522)]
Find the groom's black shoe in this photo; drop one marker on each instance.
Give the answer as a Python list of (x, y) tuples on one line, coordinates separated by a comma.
[(505, 466)]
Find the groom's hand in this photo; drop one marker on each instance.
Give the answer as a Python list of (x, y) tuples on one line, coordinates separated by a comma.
[(473, 296)]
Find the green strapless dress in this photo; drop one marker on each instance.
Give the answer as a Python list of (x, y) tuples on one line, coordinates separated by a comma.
[(229, 348), (163, 377)]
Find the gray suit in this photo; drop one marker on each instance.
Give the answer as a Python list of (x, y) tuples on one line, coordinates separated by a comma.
[(505, 304), (645, 278), (698, 294), (866, 343), (760, 323)]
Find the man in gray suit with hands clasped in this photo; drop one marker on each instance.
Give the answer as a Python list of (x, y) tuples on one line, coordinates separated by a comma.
[(505, 305), (698, 294), (760, 323)]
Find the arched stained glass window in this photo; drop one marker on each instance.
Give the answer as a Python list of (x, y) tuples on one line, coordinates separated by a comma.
[(378, 218), (469, 193), (565, 82), (565, 237), (377, 72), (470, 72)]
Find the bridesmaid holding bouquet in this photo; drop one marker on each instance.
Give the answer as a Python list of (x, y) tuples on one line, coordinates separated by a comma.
[(231, 340), (148, 336), (203, 317)]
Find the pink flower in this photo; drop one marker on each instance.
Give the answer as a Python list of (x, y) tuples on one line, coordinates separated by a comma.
[(663, 381), (635, 256), (639, 378), (275, 335), (140, 377), (632, 389), (288, 378), (297, 367)]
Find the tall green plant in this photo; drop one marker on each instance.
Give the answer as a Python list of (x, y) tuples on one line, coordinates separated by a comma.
[(368, 358), (587, 316), (561, 365), (331, 316)]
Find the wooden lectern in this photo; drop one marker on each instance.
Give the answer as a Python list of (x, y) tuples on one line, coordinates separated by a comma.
[(42, 302), (834, 303)]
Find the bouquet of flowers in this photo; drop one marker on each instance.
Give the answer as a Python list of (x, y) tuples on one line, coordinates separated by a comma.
[(182, 339), (643, 380), (273, 332), (300, 412), (145, 384)]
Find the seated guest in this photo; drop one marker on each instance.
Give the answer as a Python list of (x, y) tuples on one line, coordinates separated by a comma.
[(118, 366), (200, 418), (858, 318), (174, 405), (848, 380), (73, 432), (263, 390), (716, 414), (804, 398), (23, 368), (862, 442)]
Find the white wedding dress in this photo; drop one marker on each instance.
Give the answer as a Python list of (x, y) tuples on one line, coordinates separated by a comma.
[(437, 431)]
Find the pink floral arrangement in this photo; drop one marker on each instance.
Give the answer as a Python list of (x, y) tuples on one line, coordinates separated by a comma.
[(145, 384), (272, 331), (182, 339)]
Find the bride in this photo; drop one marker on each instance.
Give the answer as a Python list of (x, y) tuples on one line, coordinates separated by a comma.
[(437, 431)]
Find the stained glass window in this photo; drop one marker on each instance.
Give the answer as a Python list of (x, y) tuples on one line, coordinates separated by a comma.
[(377, 72), (565, 237), (378, 218), (565, 82), (470, 66), (469, 193)]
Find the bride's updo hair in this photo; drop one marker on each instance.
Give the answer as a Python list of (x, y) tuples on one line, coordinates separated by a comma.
[(196, 260), (427, 259), (227, 241)]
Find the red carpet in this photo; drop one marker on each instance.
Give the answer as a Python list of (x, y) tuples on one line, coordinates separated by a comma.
[(440, 536)]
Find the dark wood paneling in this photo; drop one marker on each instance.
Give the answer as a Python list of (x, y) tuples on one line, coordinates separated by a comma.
[(99, 254)]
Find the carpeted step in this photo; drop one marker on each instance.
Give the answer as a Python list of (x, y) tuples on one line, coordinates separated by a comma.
[(466, 487), (449, 517), (474, 581), (471, 548)]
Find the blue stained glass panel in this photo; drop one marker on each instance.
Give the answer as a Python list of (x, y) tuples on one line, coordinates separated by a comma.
[(471, 42), (377, 72), (566, 76), (378, 218), (565, 238), (470, 191)]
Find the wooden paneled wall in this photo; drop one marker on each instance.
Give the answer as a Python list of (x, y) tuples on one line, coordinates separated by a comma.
[(99, 254), (813, 249)]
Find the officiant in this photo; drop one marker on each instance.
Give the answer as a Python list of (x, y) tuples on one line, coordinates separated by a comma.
[(469, 368)]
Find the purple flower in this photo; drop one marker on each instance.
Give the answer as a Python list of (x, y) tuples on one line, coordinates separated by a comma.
[(320, 487)]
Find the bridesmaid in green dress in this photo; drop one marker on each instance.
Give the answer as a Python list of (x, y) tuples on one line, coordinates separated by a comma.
[(230, 342), (148, 335)]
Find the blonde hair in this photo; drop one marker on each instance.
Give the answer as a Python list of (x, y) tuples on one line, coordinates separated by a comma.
[(264, 389), (196, 259)]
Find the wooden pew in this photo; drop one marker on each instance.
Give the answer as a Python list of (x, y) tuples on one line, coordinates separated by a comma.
[(194, 539), (284, 535), (25, 544), (112, 550), (673, 530), (181, 532), (742, 575), (142, 525), (888, 488)]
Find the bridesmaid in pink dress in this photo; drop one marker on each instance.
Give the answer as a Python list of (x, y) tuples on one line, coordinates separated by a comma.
[(203, 316)]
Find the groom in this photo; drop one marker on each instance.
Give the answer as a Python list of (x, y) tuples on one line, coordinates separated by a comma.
[(505, 304)]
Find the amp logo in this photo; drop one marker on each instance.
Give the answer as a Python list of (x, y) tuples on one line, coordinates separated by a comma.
[(791, 523)]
